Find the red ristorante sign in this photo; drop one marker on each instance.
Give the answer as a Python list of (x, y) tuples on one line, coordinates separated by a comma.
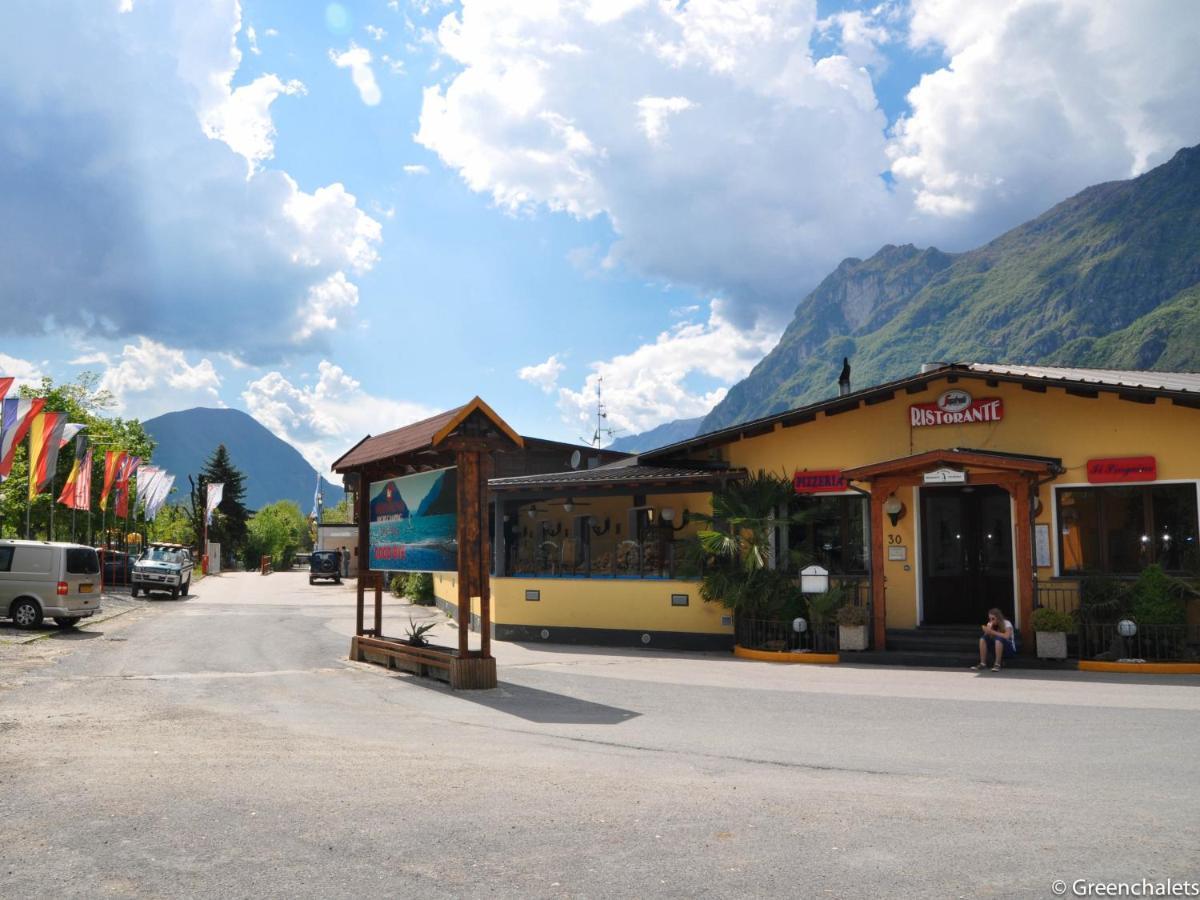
[(1122, 468), (819, 481), (956, 407)]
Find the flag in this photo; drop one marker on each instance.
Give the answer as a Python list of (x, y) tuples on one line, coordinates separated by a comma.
[(124, 473), (77, 492), (71, 430), (45, 436), (5, 384), (147, 478), (14, 423), (317, 501), (160, 495), (112, 462), (215, 493)]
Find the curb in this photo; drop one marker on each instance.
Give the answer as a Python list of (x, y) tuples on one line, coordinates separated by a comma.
[(94, 621), (1140, 668)]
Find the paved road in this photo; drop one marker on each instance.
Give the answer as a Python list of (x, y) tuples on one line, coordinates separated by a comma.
[(222, 746)]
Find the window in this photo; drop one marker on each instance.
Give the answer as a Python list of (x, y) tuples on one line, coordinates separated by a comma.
[(6, 555), (1122, 529), (82, 562), (832, 532)]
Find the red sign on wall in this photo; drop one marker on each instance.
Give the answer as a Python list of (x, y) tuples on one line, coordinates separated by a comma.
[(1122, 468), (956, 407), (819, 481)]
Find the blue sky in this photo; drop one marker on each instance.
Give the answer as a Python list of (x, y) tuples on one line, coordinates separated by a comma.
[(344, 216)]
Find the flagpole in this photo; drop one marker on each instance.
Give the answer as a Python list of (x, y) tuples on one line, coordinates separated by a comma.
[(51, 534)]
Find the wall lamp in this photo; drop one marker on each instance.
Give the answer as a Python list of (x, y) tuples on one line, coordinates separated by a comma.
[(894, 509), (668, 518)]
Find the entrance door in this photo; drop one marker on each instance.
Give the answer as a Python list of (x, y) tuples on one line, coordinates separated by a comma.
[(966, 554)]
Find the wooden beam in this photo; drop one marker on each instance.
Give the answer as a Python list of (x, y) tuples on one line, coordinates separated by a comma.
[(1034, 387), (1025, 573), (879, 493), (1137, 398), (884, 397)]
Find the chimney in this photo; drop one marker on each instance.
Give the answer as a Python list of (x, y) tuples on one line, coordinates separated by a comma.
[(844, 378)]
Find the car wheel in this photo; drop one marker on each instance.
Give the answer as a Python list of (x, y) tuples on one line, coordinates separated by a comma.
[(311, 580), (187, 587), (67, 623), (175, 593), (133, 591), (26, 614)]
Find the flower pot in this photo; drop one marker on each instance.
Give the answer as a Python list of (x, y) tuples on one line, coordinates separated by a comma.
[(852, 637), (1052, 645)]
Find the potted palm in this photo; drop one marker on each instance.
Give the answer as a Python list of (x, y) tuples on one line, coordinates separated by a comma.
[(1051, 627), (852, 628)]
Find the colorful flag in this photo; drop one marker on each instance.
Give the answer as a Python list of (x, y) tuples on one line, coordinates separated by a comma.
[(215, 493), (15, 420), (45, 435), (77, 492), (71, 430), (113, 459), (5, 384), (124, 473)]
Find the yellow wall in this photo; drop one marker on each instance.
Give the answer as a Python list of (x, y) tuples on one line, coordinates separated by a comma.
[(1053, 424)]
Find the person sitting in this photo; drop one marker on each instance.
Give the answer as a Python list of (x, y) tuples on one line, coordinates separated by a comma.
[(998, 636)]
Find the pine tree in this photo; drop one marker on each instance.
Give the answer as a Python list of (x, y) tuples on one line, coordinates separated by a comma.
[(229, 520)]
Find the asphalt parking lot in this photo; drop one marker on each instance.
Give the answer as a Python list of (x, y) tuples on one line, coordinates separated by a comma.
[(222, 745)]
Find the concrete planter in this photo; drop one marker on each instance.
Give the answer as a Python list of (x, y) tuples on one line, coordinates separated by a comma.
[(852, 637), (1052, 645)]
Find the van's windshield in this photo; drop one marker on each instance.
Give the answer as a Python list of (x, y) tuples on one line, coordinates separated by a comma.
[(82, 561)]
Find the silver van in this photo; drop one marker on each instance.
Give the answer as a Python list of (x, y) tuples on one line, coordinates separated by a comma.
[(41, 578)]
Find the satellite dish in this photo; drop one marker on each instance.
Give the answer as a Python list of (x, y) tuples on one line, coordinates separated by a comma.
[(576, 457)]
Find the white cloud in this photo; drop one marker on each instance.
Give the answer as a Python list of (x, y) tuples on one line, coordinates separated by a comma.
[(376, 32), (684, 373), (1039, 100), (252, 40), (325, 300), (22, 371), (149, 378), (327, 417), (136, 179), (544, 374), (862, 32), (358, 61), (653, 113), (416, 169)]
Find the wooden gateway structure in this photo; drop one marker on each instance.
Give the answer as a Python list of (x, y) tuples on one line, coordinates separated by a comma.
[(465, 438)]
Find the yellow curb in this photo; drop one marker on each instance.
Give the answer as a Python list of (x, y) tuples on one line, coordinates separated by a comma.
[(1142, 668), (821, 659)]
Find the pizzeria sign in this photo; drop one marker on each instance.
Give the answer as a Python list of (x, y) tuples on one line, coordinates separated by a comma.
[(956, 407)]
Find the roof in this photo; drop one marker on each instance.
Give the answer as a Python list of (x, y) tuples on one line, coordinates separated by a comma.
[(426, 433), (1182, 387), (621, 473), (958, 456)]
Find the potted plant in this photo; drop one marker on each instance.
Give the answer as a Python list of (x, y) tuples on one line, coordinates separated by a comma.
[(1052, 627), (852, 628)]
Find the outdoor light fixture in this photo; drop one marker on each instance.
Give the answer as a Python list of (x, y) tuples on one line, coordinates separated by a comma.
[(894, 509), (568, 506), (799, 625), (532, 512), (1127, 628), (668, 514)]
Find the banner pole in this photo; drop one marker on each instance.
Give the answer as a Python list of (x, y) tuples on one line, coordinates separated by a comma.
[(51, 534)]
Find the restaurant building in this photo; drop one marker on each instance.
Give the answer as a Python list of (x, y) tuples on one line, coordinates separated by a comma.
[(938, 496)]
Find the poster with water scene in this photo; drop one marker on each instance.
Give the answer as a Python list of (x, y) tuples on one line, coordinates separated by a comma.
[(414, 522)]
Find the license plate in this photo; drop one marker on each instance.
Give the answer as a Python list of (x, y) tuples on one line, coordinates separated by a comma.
[(85, 589)]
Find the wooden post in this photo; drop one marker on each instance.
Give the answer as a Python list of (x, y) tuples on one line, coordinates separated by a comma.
[(469, 539), (378, 604), (485, 547), (879, 494), (364, 544), (1020, 490), (358, 609)]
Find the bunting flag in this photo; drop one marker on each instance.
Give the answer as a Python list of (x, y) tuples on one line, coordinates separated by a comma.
[(215, 493), (160, 495), (45, 435), (77, 492), (124, 473), (113, 459), (15, 420), (5, 384)]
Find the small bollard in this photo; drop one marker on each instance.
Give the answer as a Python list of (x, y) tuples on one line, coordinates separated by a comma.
[(266, 565)]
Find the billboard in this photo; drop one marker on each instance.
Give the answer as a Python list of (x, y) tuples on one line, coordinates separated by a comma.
[(413, 523)]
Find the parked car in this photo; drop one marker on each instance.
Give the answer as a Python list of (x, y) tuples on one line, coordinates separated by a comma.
[(325, 564), (41, 578), (164, 568), (118, 567)]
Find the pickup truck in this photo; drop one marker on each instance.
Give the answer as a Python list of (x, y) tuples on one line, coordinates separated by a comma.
[(163, 567)]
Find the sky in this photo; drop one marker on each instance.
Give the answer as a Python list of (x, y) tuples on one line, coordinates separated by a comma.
[(342, 217)]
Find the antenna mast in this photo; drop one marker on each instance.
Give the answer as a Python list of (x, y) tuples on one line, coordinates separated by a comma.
[(602, 430)]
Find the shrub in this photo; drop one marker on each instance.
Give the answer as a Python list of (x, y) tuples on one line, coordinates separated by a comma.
[(1051, 620), (398, 585), (420, 588), (824, 607), (852, 616), (1103, 599), (1159, 599)]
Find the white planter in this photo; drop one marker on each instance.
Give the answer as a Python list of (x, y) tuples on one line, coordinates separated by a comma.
[(1052, 645), (852, 637)]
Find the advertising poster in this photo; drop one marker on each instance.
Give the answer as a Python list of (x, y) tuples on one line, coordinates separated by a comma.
[(414, 523)]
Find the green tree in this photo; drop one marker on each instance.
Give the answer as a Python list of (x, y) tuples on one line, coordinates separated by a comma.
[(174, 526), (278, 531), (338, 514), (230, 517)]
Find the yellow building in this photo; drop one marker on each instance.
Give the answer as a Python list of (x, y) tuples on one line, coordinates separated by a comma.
[(941, 495)]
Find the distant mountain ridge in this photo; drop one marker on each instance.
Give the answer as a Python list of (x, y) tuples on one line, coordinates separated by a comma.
[(274, 469), (661, 436), (1109, 279)]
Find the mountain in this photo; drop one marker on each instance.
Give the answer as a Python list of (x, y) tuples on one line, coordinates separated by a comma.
[(1109, 278), (661, 436), (274, 469)]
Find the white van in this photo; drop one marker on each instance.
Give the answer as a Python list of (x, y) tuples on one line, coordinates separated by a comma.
[(41, 578)]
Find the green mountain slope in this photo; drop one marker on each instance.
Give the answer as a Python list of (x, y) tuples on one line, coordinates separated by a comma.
[(1106, 278), (274, 469)]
